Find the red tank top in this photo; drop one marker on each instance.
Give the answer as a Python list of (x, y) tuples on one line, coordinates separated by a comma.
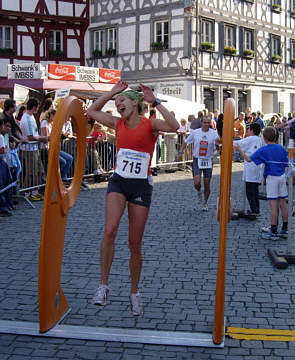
[(139, 139)]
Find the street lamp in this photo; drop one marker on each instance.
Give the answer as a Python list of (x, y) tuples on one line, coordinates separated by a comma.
[(186, 63)]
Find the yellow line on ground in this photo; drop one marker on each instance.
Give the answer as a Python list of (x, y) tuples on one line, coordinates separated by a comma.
[(261, 334)]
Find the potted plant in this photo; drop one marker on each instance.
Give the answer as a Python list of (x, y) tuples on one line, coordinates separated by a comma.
[(7, 51), (293, 61), (293, 13), (248, 53), (96, 53), (207, 46), (111, 52), (230, 50), (276, 59), (159, 45), (276, 8), (56, 54)]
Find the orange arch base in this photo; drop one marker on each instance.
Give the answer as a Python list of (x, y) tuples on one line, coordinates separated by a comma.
[(58, 200)]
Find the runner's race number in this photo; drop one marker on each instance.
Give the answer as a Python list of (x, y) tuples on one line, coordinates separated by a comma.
[(132, 164), (204, 163)]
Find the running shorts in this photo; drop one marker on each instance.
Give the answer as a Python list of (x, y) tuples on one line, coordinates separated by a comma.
[(136, 191), (276, 187)]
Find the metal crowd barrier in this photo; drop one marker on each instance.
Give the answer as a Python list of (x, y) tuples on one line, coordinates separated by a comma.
[(100, 158), (167, 148)]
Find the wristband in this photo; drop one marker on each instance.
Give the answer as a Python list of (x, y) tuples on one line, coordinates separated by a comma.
[(156, 102)]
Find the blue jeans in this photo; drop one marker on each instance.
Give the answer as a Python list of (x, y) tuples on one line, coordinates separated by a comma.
[(65, 162), (5, 179)]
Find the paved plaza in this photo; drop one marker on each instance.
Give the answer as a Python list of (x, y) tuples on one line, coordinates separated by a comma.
[(180, 249)]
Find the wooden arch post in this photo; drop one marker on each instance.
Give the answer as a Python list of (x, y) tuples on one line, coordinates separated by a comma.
[(58, 200), (223, 215)]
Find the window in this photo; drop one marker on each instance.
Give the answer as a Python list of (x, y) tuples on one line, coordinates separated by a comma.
[(161, 34), (292, 50), (55, 41), (111, 41), (105, 42), (6, 37), (207, 31), (229, 36), (275, 45), (293, 5), (248, 39), (98, 40)]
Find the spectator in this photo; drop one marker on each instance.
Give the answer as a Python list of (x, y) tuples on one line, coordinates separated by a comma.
[(252, 172), (31, 156), (5, 176), (96, 135), (190, 118), (219, 125), (13, 159), (259, 120), (170, 141), (197, 123), (8, 111), (239, 133), (20, 112), (212, 121), (47, 105), (216, 114), (275, 159)]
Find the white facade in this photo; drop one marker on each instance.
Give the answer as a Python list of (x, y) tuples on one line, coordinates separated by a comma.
[(255, 81)]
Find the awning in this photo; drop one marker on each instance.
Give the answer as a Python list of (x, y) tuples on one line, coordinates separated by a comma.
[(78, 88)]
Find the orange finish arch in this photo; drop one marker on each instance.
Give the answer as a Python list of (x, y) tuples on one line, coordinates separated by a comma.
[(223, 214), (58, 200)]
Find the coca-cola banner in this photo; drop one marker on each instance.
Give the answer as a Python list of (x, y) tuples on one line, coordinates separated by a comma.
[(61, 72), (110, 76)]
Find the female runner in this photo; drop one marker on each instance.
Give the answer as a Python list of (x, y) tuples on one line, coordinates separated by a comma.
[(132, 181)]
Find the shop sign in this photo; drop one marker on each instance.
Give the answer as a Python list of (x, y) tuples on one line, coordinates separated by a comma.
[(62, 93), (61, 72), (172, 89), (89, 74), (25, 71), (110, 76)]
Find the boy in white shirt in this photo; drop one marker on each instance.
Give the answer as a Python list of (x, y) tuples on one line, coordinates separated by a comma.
[(252, 172)]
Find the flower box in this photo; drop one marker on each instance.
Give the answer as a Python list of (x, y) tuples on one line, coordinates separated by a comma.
[(7, 52), (292, 13), (293, 62), (276, 59), (96, 53), (159, 46), (111, 52), (230, 50), (276, 8), (56, 54), (248, 53), (207, 46)]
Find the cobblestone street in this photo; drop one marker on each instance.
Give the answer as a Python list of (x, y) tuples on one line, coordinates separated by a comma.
[(180, 249)]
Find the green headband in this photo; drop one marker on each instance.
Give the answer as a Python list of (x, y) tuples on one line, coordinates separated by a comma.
[(133, 95)]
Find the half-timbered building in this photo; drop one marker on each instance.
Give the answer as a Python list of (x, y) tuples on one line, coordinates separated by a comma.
[(42, 31), (238, 48)]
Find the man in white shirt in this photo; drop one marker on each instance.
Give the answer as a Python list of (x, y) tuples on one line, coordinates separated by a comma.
[(205, 140), (30, 152)]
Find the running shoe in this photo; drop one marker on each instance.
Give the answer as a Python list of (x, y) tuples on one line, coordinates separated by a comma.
[(101, 295), (34, 198), (205, 207), (199, 197), (283, 234), (265, 229), (136, 305), (270, 236)]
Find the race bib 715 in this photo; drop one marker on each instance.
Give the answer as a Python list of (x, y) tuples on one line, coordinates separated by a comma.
[(132, 164)]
